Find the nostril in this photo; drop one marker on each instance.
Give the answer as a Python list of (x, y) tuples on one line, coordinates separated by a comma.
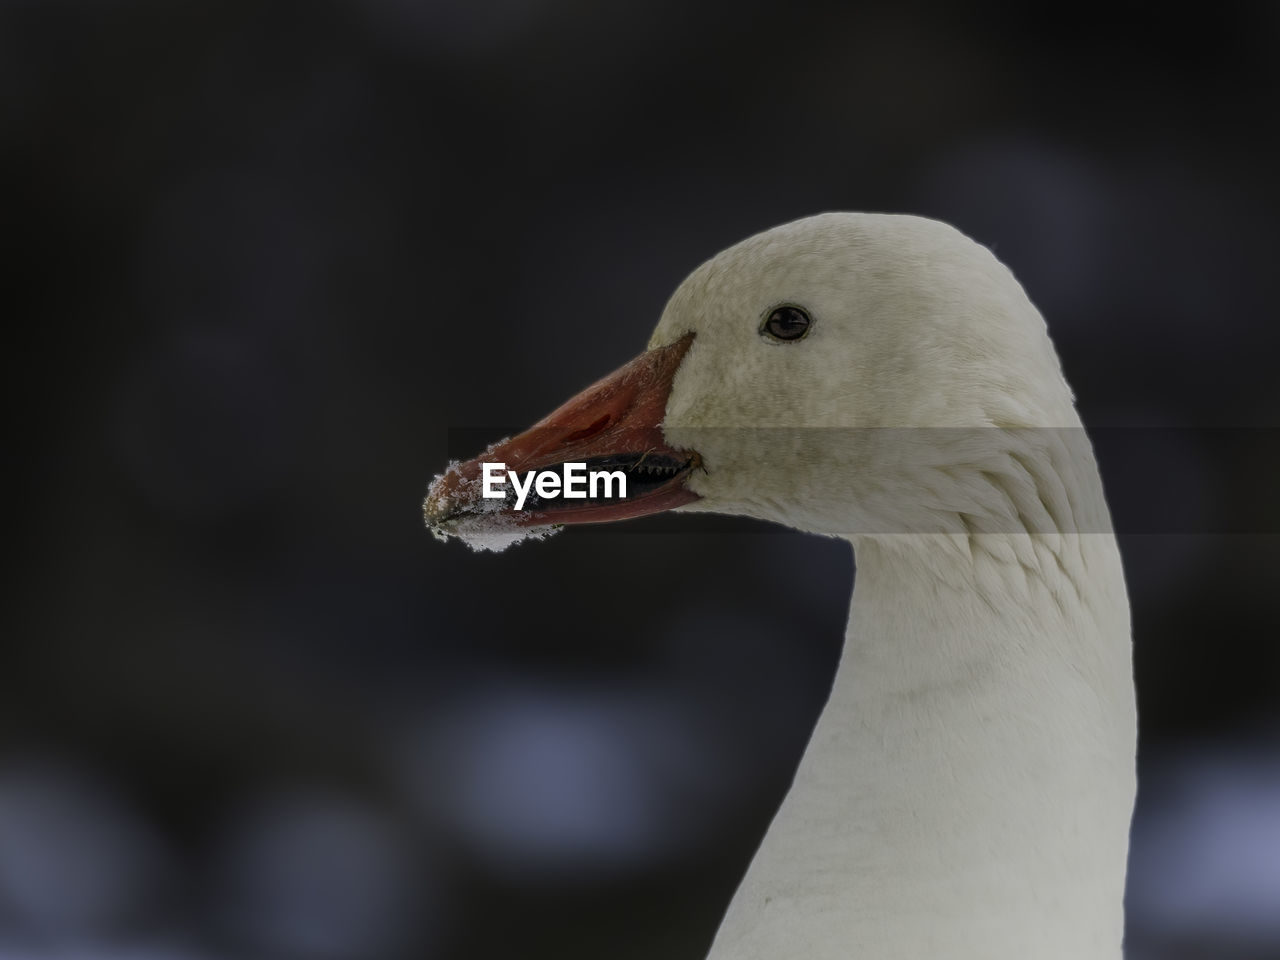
[(588, 431)]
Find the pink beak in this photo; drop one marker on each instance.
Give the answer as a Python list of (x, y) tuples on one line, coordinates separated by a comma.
[(615, 424)]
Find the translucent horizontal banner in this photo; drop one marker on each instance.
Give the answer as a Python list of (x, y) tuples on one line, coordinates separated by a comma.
[(881, 480)]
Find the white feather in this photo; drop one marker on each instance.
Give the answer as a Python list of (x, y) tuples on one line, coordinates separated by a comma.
[(967, 792)]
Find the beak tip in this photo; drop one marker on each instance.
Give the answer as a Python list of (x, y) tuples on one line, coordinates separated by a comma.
[(440, 503)]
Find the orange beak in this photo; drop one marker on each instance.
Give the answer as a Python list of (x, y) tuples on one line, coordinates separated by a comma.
[(614, 425)]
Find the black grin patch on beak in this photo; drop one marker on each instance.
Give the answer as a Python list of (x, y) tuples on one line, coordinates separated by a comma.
[(644, 473)]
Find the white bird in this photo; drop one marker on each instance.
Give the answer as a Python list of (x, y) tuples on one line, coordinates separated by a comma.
[(968, 788)]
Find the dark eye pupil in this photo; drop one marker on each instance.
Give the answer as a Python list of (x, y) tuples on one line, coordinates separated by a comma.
[(787, 323)]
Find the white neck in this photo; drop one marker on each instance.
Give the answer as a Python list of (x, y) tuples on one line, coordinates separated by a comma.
[(967, 792)]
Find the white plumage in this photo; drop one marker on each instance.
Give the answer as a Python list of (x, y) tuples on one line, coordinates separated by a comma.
[(967, 791)]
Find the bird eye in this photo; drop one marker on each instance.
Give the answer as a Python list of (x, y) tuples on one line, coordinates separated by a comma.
[(786, 323)]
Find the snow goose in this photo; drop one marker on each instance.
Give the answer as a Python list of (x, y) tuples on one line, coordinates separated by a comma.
[(967, 791)]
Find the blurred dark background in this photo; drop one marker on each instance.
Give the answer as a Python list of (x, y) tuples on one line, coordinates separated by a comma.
[(263, 256)]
